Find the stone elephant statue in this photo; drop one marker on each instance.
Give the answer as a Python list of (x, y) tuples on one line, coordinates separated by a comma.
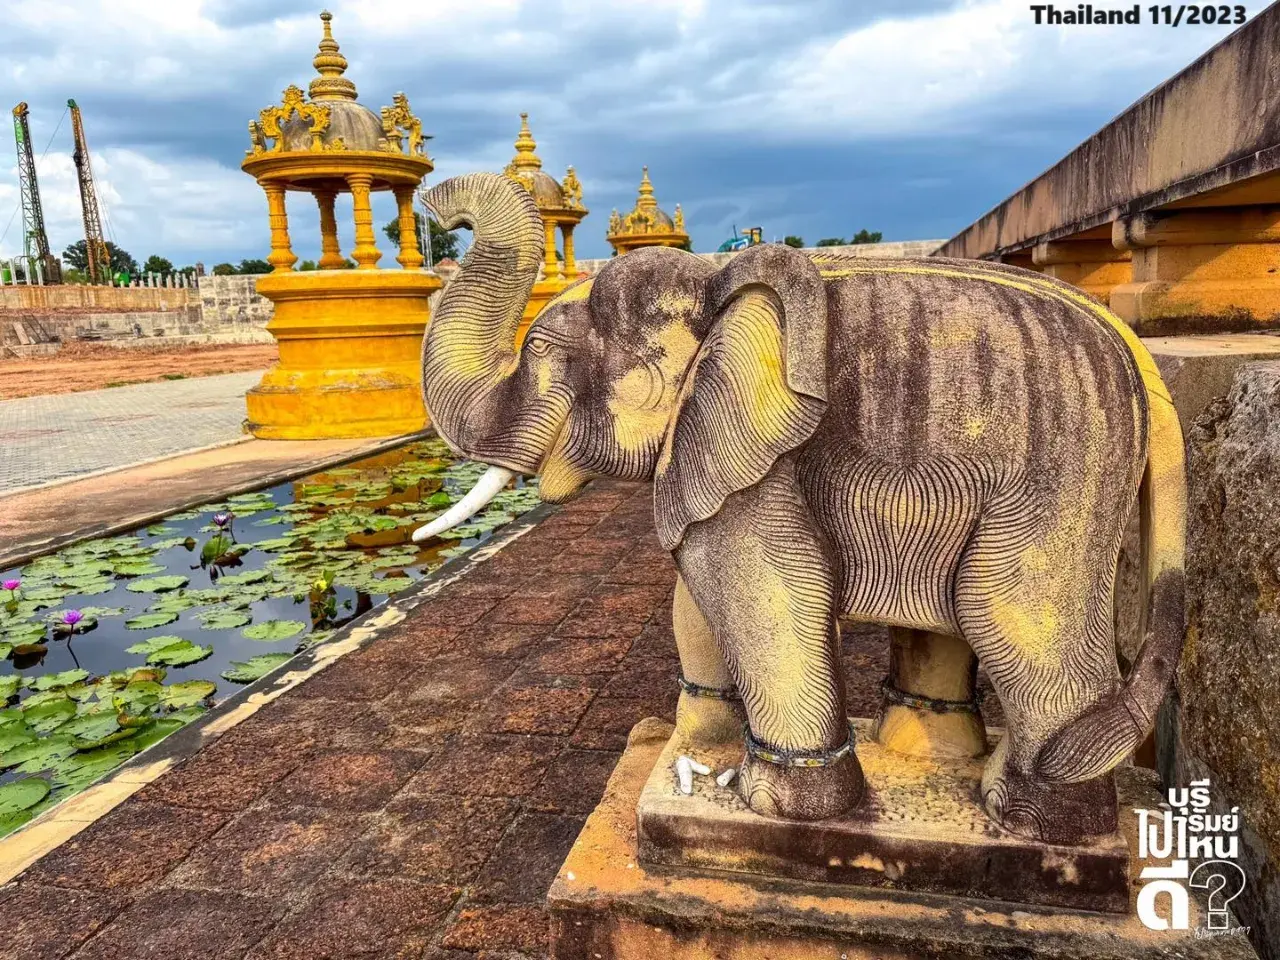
[(948, 446)]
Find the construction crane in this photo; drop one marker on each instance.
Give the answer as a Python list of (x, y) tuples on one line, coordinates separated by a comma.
[(97, 257), (35, 241)]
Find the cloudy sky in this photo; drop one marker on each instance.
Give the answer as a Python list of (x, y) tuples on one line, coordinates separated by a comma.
[(809, 117)]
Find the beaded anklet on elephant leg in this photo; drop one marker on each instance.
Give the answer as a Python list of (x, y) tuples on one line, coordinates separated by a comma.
[(710, 693), (933, 704), (796, 758)]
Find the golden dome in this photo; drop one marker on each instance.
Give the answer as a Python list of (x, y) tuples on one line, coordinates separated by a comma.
[(647, 224), (550, 196), (330, 118)]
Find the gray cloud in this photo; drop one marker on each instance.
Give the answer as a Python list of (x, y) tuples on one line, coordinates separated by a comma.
[(813, 117)]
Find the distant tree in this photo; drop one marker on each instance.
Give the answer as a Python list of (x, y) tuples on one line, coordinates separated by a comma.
[(866, 236), (791, 241), (157, 264), (121, 262), (348, 264), (831, 242), (308, 265), (72, 275), (444, 243), (686, 246), (253, 266), (223, 269)]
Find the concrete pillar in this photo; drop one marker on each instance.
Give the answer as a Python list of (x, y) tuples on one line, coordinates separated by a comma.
[(1095, 266), (410, 257), (365, 253), (281, 258), (1200, 270)]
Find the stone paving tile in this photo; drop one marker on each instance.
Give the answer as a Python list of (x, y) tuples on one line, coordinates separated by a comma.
[(185, 925), (415, 798), (54, 437), (47, 923)]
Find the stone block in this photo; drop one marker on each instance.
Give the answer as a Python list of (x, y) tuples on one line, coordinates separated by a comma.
[(1221, 722), (606, 902), (919, 829)]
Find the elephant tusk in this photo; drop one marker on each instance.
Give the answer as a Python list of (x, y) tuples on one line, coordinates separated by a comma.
[(486, 488)]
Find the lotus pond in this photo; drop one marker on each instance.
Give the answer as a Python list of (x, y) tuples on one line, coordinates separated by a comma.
[(109, 645)]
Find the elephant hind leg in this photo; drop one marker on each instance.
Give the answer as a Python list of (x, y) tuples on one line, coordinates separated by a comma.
[(761, 576), (1049, 658)]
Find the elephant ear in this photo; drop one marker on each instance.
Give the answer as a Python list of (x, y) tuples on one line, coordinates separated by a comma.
[(756, 389)]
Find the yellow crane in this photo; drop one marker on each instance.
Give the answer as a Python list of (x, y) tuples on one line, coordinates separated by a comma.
[(97, 256)]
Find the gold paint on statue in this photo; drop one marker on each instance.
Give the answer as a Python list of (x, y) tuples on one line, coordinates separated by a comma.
[(350, 341)]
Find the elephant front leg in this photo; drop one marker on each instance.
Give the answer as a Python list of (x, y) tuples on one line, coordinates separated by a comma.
[(710, 707), (761, 576)]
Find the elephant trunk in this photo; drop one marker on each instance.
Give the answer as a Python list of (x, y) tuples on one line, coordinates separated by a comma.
[(470, 346)]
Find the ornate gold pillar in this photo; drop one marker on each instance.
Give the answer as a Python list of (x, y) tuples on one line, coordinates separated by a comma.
[(570, 264), (281, 257), (410, 256), (550, 266), (365, 252), (330, 252)]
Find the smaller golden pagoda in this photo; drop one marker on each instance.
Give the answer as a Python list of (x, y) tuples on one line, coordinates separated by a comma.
[(561, 208), (647, 225), (350, 340)]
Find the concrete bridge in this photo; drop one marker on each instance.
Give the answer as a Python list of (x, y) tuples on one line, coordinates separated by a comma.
[(1171, 213)]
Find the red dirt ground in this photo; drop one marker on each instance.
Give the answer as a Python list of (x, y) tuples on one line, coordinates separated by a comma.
[(86, 366)]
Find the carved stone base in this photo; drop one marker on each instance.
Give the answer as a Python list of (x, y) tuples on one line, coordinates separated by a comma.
[(920, 827), (607, 902)]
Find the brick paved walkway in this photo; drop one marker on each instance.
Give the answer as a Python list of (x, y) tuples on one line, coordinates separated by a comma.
[(53, 437), (416, 798)]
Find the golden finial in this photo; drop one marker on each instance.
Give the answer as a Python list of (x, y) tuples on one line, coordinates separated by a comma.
[(572, 189), (330, 63), (646, 200), (525, 158), (678, 219)]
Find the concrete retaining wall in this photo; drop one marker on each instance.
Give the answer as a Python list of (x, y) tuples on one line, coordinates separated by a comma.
[(74, 296)]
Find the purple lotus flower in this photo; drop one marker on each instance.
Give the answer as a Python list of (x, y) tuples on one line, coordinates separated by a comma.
[(72, 617), (222, 519), (11, 585)]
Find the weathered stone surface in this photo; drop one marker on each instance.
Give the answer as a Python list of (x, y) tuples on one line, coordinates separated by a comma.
[(1224, 723), (920, 828), (605, 903)]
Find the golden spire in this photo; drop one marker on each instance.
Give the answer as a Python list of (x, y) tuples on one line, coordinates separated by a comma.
[(329, 61), (646, 201), (525, 158)]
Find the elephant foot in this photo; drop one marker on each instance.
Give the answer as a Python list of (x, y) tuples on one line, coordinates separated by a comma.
[(795, 792), (1060, 813), (706, 721)]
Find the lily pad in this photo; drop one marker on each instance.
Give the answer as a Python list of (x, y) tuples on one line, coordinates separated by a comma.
[(25, 633), (99, 612), (137, 568), (22, 794), (272, 630), (249, 576), (51, 681), (223, 619), (188, 693), (156, 584), (180, 654), (152, 644), (247, 671), (48, 716), (145, 621), (80, 769)]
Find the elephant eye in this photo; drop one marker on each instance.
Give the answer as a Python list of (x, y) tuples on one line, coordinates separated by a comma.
[(537, 346)]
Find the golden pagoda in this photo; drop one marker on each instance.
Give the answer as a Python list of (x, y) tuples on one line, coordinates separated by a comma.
[(560, 206), (350, 340), (647, 225)]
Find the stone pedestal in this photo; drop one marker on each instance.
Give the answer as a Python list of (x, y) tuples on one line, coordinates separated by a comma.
[(607, 901), (350, 354), (1200, 271)]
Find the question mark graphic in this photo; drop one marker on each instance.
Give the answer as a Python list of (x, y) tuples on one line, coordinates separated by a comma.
[(1224, 876)]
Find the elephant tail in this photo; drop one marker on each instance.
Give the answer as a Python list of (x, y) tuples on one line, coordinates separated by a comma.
[(1115, 726)]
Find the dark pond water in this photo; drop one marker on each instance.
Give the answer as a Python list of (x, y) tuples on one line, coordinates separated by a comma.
[(178, 615)]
